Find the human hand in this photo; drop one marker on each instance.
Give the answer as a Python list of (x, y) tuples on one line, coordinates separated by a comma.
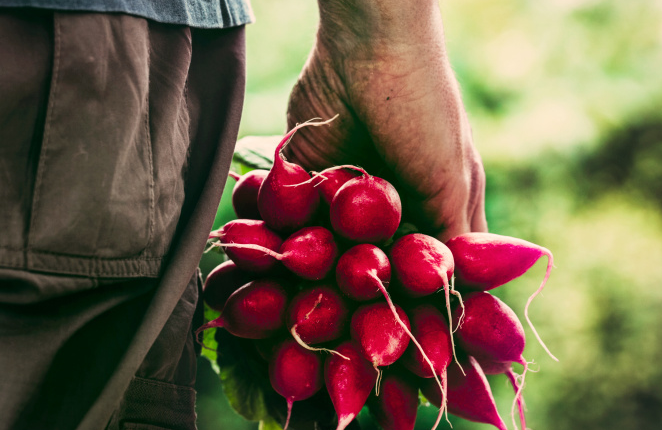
[(382, 65)]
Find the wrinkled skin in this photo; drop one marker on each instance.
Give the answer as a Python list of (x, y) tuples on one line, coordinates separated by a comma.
[(382, 65)]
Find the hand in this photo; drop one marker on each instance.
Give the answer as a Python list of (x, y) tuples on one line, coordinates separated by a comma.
[(382, 66)]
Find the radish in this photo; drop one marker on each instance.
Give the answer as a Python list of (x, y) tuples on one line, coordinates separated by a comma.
[(423, 265), (282, 207), (485, 261), (254, 311), (396, 407), (329, 181), (379, 334), (254, 233), (430, 328), (361, 270), (244, 193), (361, 273), (366, 209), (310, 253), (295, 373), (469, 394), (221, 282), (348, 382), (317, 315), (491, 330)]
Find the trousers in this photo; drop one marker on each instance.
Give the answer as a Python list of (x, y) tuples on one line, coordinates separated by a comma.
[(116, 137)]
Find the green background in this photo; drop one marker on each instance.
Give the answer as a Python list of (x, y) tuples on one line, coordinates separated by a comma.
[(564, 98)]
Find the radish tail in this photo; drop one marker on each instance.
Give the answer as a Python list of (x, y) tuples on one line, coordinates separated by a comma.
[(518, 397), (321, 174), (211, 324), (267, 251), (296, 337), (234, 175), (411, 336), (378, 383), (286, 139), (457, 294), (344, 421), (450, 321), (290, 402), (550, 264)]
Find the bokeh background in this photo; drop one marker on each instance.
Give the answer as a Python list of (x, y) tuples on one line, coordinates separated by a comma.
[(565, 98)]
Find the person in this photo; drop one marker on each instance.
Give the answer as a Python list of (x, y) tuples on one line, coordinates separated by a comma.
[(118, 124)]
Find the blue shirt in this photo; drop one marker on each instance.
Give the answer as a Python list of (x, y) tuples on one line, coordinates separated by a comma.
[(194, 13)]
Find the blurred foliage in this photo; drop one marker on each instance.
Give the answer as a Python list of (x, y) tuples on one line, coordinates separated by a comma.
[(565, 100)]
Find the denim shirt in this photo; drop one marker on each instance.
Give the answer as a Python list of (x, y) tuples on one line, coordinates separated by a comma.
[(194, 13)]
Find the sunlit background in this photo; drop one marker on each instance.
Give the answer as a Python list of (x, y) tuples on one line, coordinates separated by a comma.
[(565, 98)]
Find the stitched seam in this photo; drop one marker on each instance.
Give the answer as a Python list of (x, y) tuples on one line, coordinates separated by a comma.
[(57, 47), (150, 154), (146, 381)]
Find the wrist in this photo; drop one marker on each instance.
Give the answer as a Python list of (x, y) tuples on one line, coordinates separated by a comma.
[(367, 27)]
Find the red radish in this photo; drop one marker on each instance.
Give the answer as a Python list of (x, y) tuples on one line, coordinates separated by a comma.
[(491, 330), (379, 334), (310, 253), (295, 373), (360, 272), (395, 408), (253, 232), (485, 261), (329, 181), (348, 382), (469, 394), (366, 209), (422, 266), (221, 282), (244, 193), (430, 328), (356, 271), (254, 311), (283, 207), (317, 315)]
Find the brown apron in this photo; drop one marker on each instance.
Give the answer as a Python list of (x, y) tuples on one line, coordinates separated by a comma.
[(116, 136)]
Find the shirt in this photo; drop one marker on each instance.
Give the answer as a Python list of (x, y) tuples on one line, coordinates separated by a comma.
[(194, 13)]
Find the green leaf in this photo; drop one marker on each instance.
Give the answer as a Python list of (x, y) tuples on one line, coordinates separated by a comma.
[(209, 339), (256, 152), (245, 378), (269, 425)]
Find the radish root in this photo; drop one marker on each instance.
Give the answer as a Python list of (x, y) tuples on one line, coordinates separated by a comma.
[(550, 265), (378, 383), (211, 324), (411, 336), (286, 139), (296, 337), (267, 251), (447, 289), (321, 174), (290, 402), (518, 384), (234, 175)]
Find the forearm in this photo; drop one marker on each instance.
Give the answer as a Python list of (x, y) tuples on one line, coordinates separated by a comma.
[(401, 83)]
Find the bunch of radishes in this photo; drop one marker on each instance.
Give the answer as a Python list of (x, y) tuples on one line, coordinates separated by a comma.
[(339, 328)]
